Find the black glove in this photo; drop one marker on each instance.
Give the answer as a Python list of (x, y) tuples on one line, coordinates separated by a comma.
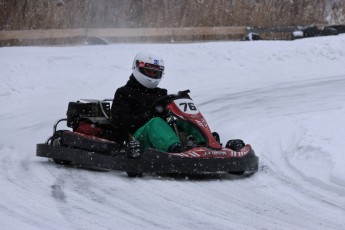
[(134, 149), (157, 111), (160, 111)]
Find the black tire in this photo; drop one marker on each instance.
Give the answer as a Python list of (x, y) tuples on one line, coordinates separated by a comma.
[(339, 28), (55, 141), (134, 174), (239, 173), (311, 31), (61, 162), (329, 31), (253, 37), (236, 144), (134, 151)]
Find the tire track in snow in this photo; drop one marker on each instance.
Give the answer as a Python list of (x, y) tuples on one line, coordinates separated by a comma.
[(286, 97), (273, 107)]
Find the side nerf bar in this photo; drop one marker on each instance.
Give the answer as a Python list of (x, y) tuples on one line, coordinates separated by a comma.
[(150, 163)]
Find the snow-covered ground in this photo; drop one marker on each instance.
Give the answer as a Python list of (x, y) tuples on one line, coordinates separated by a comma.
[(286, 98)]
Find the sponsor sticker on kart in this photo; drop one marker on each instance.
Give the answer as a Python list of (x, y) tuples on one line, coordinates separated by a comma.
[(202, 152)]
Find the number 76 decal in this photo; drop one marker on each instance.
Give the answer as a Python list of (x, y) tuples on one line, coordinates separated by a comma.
[(186, 106), (189, 105)]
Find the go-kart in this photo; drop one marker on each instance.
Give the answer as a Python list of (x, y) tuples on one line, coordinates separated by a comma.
[(88, 143)]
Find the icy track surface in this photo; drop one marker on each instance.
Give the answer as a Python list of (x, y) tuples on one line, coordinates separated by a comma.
[(286, 98)]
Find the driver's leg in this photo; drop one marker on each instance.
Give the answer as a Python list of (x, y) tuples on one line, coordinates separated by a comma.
[(157, 134), (189, 129)]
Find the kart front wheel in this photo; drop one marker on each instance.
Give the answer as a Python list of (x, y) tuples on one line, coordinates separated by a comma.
[(238, 173), (236, 144)]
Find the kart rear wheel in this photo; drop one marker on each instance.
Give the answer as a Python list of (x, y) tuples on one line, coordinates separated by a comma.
[(134, 174), (61, 162), (55, 141)]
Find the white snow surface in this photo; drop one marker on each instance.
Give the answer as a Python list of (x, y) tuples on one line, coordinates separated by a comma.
[(285, 98)]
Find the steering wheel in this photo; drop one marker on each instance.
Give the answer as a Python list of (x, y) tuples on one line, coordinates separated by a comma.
[(160, 104)]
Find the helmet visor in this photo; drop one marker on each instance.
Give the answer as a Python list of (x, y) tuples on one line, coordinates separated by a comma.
[(151, 70)]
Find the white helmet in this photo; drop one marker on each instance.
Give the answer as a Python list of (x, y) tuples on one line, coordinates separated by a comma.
[(148, 69)]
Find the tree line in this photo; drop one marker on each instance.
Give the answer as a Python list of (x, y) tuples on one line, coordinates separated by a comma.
[(62, 14)]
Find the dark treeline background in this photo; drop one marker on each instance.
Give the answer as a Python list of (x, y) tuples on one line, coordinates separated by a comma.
[(60, 14)]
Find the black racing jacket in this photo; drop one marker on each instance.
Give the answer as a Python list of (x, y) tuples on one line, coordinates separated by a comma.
[(130, 107)]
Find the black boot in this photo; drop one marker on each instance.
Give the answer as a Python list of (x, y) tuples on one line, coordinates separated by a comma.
[(190, 142), (216, 137)]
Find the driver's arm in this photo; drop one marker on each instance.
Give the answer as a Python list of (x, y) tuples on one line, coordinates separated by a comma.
[(125, 119)]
